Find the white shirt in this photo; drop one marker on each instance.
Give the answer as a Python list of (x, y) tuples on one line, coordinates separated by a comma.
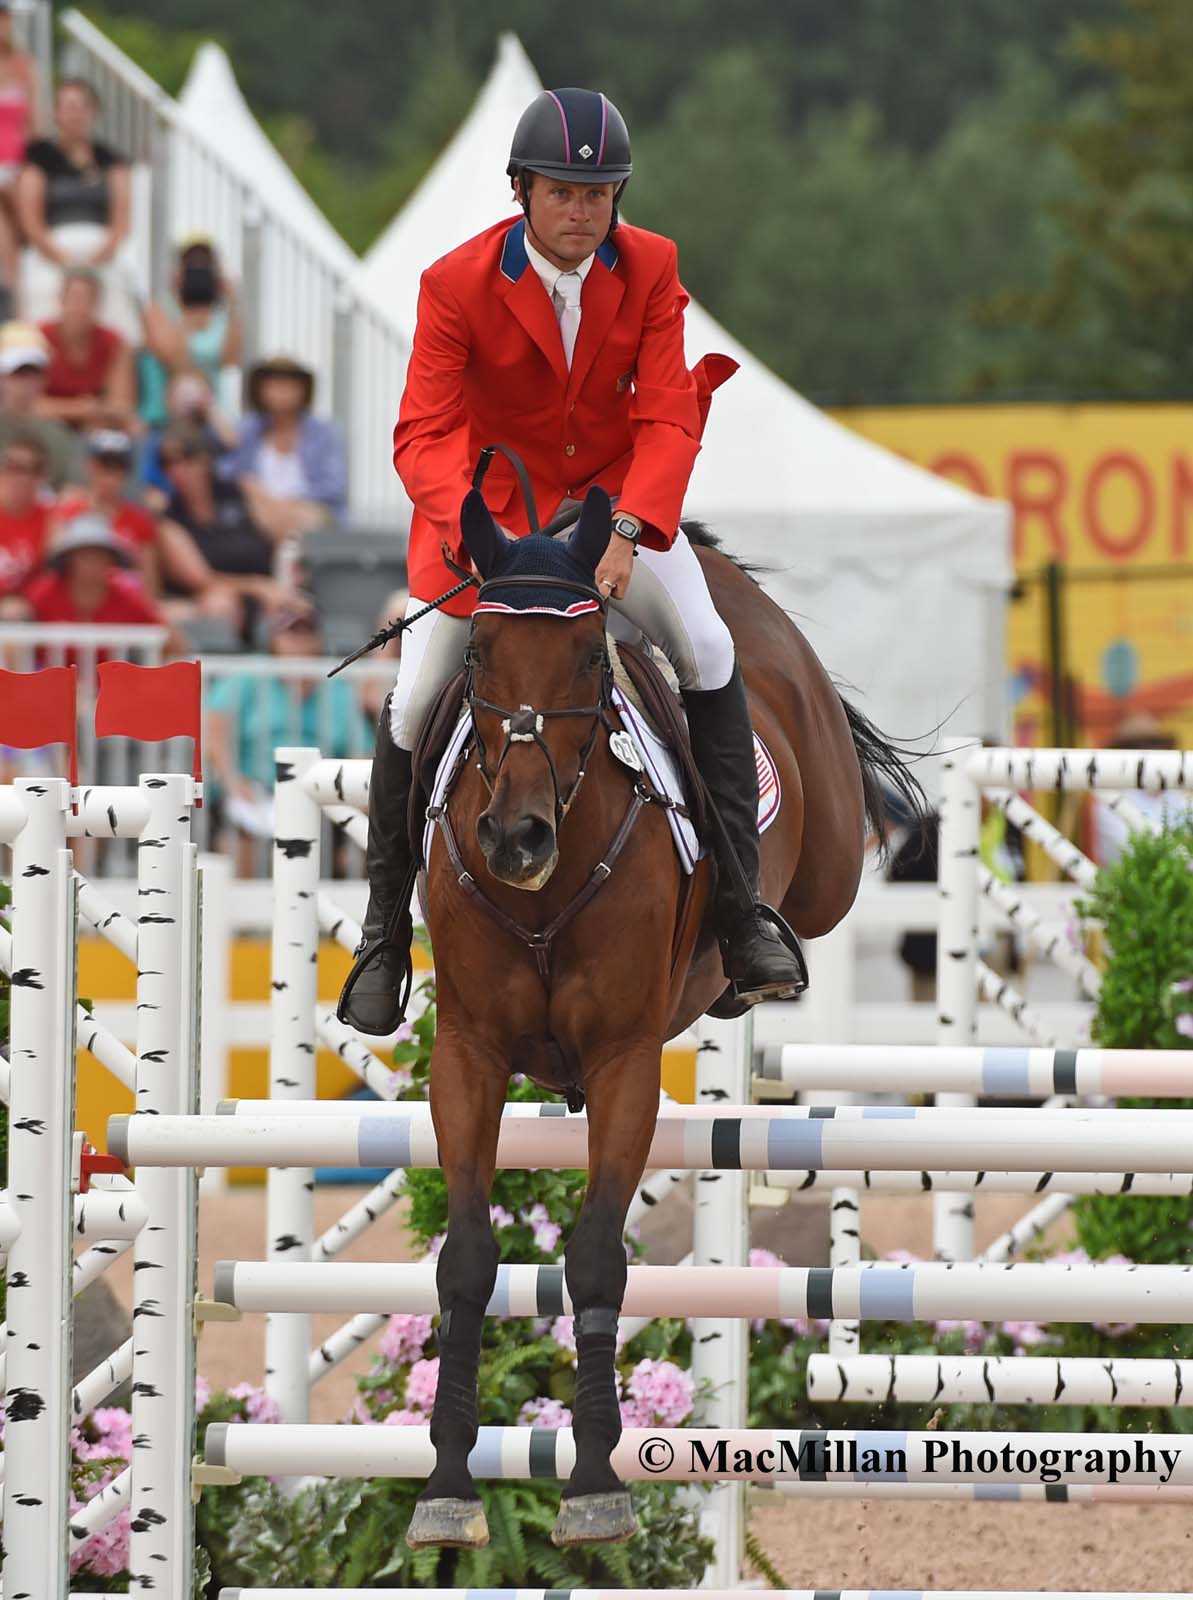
[(549, 277), (281, 473)]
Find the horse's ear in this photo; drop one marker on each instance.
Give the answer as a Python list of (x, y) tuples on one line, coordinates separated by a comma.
[(483, 539), (592, 533)]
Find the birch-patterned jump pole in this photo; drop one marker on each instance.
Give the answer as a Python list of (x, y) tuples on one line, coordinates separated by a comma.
[(902, 1138), (872, 1181), (872, 1291), (1003, 1380)]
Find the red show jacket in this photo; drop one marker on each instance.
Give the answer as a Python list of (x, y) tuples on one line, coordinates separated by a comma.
[(488, 367)]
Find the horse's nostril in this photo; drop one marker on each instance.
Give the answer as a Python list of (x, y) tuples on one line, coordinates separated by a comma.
[(533, 836), (488, 832)]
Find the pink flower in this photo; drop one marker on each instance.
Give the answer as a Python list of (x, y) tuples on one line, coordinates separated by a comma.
[(106, 1552), (1069, 1258), (1184, 1024), (403, 1338), (404, 1419), (766, 1258), (421, 1383), (1115, 1330), (405, 1034), (902, 1257), (975, 1332), (661, 1392), (258, 1407), (202, 1392), (1025, 1332), (563, 1331), (544, 1413), (115, 1428), (500, 1217), (434, 1247), (399, 1079), (546, 1232)]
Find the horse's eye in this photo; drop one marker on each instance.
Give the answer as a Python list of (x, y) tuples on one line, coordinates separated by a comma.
[(472, 656), (596, 660)]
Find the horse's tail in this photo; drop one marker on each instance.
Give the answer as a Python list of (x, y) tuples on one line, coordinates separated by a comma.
[(885, 775)]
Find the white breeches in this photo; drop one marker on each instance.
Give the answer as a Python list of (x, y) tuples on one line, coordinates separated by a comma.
[(668, 601)]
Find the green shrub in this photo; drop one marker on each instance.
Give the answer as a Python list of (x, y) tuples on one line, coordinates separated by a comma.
[(1145, 905)]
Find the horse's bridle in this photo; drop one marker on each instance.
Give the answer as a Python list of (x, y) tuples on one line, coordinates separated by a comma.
[(525, 725)]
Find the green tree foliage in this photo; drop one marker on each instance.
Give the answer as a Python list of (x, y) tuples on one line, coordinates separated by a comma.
[(883, 200), (1116, 316)]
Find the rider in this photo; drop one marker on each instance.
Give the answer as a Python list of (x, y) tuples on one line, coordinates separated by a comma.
[(561, 336)]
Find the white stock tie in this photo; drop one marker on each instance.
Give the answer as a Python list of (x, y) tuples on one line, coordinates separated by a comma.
[(567, 307)]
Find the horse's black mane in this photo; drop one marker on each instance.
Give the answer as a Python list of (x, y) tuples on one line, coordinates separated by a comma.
[(702, 536)]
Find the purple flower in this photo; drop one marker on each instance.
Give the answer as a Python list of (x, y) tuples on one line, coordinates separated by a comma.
[(202, 1392), (902, 1258), (500, 1217), (434, 1246), (1115, 1330), (405, 1033), (421, 1383), (403, 1338), (258, 1406), (404, 1419), (546, 1232), (1183, 986), (1184, 1024), (563, 1331), (399, 1079), (544, 1413)]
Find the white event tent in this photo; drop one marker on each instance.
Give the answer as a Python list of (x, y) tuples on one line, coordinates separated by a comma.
[(897, 577), (212, 105)]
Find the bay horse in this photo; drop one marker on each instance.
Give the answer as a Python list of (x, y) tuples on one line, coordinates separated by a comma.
[(623, 960)]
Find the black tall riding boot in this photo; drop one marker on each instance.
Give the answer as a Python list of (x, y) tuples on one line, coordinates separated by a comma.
[(377, 988), (760, 963)]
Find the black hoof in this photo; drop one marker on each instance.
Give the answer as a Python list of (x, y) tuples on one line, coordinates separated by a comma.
[(595, 1519), (458, 1524)]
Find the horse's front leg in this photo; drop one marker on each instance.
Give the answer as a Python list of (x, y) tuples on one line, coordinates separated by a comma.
[(467, 1093), (622, 1089)]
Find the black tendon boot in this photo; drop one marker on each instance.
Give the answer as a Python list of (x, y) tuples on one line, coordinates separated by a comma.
[(761, 962), (377, 989)]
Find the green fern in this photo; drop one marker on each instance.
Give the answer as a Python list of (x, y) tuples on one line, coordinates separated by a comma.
[(758, 1556)]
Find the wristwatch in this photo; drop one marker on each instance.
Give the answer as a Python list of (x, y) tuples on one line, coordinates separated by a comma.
[(628, 528)]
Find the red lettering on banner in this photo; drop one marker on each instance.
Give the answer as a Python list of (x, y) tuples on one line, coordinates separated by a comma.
[(1182, 496), (956, 466), (1037, 482), (1116, 546)]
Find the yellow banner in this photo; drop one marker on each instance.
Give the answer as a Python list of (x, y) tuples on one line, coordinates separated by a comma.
[(1106, 493)]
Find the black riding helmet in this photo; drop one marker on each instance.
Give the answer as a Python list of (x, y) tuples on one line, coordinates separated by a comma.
[(574, 134)]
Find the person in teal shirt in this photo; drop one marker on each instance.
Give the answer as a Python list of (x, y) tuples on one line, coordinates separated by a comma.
[(250, 714)]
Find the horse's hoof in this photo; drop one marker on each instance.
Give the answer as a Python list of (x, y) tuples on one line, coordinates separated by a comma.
[(595, 1519), (458, 1524)]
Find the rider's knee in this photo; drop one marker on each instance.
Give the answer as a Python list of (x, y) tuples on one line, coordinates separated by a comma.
[(711, 654)]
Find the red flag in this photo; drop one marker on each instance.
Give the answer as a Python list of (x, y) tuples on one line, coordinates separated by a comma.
[(151, 703), (38, 708)]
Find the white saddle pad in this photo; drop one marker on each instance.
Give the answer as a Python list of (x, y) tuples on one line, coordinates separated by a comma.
[(660, 768)]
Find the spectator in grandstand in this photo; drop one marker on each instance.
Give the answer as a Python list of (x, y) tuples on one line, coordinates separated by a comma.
[(73, 208), (109, 468), (18, 116), (215, 556), (24, 522), (290, 464), (249, 715), (188, 400), (24, 360), (198, 328), (90, 376), (86, 579)]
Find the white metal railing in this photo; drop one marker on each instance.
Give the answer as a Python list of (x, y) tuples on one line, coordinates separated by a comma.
[(296, 296)]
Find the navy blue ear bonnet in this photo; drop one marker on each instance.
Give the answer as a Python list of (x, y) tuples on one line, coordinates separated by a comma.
[(564, 560)]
